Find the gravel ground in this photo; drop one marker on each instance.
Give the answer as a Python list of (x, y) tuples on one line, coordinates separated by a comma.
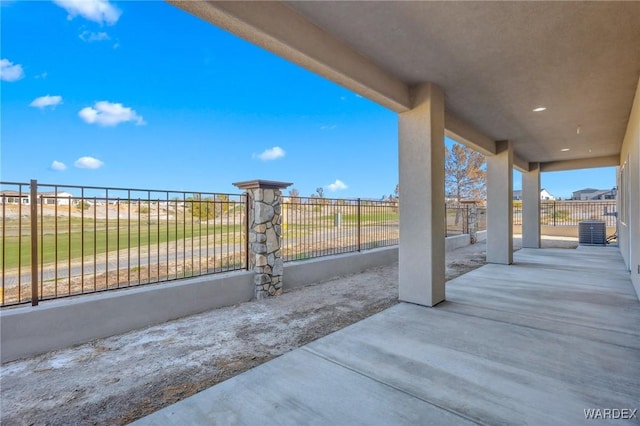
[(122, 378)]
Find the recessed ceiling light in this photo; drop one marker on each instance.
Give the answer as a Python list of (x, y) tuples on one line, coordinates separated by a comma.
[(564, 149), (539, 109)]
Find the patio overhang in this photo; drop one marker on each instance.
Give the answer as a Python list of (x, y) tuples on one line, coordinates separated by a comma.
[(580, 60), (535, 86), (582, 163)]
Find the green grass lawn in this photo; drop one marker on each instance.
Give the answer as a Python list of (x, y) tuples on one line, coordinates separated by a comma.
[(73, 245), (369, 217)]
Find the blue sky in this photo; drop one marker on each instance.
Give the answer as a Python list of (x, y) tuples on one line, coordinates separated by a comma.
[(144, 95)]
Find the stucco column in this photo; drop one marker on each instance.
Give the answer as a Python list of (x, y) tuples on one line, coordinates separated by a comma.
[(531, 207), (264, 230), (500, 204), (422, 205)]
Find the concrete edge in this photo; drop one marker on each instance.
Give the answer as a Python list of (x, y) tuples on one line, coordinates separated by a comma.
[(481, 236), (27, 331)]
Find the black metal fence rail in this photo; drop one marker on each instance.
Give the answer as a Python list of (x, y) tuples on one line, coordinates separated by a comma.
[(64, 240), (570, 213), (80, 239), (315, 227), (458, 219), (481, 219)]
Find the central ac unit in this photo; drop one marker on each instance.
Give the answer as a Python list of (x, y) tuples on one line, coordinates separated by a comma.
[(592, 232)]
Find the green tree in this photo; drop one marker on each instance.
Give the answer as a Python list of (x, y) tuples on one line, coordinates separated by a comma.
[(202, 208), (222, 204), (465, 173), (294, 198)]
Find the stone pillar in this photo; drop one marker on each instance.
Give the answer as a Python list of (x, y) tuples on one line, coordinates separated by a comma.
[(472, 220), (264, 204), (531, 207), (422, 210), (500, 204)]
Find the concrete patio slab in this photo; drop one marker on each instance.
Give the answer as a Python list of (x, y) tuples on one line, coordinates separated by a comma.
[(313, 391), (537, 342)]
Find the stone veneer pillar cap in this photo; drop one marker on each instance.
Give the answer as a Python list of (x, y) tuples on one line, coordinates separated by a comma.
[(259, 183)]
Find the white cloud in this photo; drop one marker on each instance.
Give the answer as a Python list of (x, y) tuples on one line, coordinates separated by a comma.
[(105, 113), (58, 166), (42, 76), (90, 36), (337, 186), (100, 11), (45, 101), (271, 154), (328, 127), (10, 71), (88, 163)]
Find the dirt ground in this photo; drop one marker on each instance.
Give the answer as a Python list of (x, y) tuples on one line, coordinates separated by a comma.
[(119, 379)]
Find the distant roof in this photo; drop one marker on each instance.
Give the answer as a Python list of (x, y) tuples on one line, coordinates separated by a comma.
[(586, 191), (519, 191)]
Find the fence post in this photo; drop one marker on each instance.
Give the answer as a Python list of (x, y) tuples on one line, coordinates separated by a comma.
[(359, 223), (33, 204), (264, 213), (554, 213)]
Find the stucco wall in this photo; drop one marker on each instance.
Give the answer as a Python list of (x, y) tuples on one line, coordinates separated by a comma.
[(307, 272), (61, 323), (630, 159), (456, 241), (56, 324), (560, 231)]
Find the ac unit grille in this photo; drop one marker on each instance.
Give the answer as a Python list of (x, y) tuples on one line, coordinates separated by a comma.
[(592, 232)]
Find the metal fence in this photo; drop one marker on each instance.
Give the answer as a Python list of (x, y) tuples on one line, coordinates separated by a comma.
[(570, 213), (316, 227), (79, 239), (458, 219), (481, 219), (65, 240)]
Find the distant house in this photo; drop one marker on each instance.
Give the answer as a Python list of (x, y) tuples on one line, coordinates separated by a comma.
[(589, 194), (49, 198), (14, 197), (544, 195), (53, 198)]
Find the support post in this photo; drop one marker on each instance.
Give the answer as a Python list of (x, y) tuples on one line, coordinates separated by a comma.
[(264, 205), (500, 204), (422, 209), (531, 207)]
